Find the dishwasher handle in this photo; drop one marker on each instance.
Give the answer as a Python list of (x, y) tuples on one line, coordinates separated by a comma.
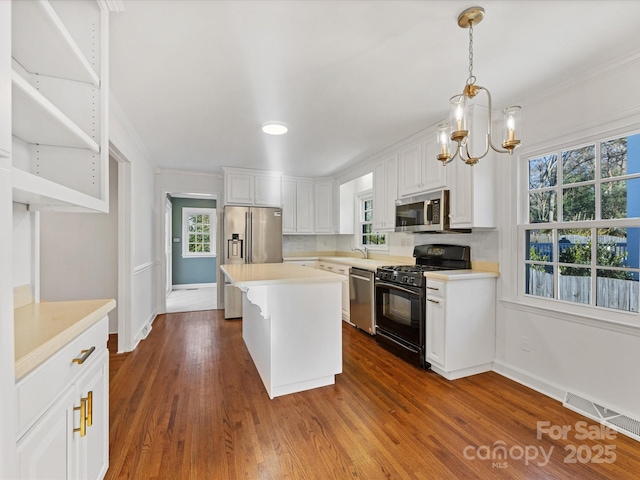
[(360, 277), (361, 274)]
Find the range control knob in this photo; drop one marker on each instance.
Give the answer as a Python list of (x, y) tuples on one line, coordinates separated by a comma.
[(412, 280)]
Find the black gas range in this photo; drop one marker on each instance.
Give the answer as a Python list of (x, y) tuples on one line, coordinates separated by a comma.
[(400, 296)]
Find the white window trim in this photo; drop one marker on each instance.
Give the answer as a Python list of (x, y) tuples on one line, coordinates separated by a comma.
[(186, 211), (361, 197), (594, 315)]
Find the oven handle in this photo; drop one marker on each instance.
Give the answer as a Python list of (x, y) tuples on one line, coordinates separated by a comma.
[(406, 347), (396, 287)]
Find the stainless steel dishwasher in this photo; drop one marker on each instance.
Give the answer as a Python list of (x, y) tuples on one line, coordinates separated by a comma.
[(361, 299)]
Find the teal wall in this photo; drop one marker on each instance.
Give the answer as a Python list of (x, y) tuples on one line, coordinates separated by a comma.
[(190, 270)]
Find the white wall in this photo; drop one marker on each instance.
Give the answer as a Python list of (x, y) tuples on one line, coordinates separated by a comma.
[(82, 249), (570, 348), (142, 276)]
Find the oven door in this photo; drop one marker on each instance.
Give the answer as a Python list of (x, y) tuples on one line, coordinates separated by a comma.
[(400, 312)]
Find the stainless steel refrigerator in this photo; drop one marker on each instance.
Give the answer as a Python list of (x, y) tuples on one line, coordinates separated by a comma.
[(251, 235)]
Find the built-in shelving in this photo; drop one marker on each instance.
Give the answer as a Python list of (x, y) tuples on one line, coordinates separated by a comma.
[(43, 45), (38, 121), (59, 111)]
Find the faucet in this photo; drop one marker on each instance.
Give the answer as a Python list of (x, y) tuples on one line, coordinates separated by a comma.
[(363, 251)]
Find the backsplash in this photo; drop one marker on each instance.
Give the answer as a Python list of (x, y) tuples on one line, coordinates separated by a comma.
[(484, 244)]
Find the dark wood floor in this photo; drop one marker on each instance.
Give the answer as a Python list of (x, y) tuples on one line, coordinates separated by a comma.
[(188, 404)]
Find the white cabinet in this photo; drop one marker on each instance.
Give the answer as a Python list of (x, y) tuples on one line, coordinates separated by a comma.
[(297, 205), (252, 187), (63, 412), (460, 325), (60, 93), (324, 205), (342, 270), (418, 169), (473, 191), (385, 192)]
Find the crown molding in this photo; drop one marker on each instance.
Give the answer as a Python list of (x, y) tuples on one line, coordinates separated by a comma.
[(171, 171)]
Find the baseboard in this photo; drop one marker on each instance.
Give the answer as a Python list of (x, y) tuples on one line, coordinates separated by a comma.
[(529, 380), (189, 286), (144, 330)]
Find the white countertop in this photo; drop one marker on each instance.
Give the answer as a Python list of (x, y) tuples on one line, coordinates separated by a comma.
[(250, 274), (41, 329), (452, 275)]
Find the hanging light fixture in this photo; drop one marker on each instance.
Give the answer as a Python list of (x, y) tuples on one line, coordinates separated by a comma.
[(456, 130)]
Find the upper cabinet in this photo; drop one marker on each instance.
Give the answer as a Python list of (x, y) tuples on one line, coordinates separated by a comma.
[(418, 169), (297, 205), (473, 193), (252, 187), (324, 206), (59, 76), (5, 79), (385, 192)]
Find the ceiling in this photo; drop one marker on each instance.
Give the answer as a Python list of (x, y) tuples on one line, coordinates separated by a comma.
[(197, 78)]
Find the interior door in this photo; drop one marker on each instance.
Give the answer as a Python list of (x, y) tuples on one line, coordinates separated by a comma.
[(168, 233)]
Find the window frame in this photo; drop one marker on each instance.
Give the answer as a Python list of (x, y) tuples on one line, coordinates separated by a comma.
[(361, 198), (524, 225), (186, 213)]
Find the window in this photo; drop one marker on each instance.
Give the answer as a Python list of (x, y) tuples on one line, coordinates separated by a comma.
[(582, 237), (198, 232), (366, 236)]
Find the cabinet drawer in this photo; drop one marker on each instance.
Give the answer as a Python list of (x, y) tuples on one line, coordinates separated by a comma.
[(342, 269), (435, 288), (40, 388)]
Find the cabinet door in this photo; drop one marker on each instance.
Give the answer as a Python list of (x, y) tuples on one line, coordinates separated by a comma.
[(435, 173), (461, 186), (324, 207), (289, 211), (47, 450), (268, 190), (93, 454), (304, 207), (239, 188), (5, 79), (385, 192), (410, 175), (435, 331)]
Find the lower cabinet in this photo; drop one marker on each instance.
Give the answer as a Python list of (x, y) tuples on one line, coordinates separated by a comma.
[(342, 270), (460, 325), (69, 439)]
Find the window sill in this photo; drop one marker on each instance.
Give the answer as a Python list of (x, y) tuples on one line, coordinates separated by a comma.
[(209, 255), (621, 322)]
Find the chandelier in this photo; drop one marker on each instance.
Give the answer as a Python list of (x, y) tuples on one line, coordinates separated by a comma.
[(456, 129)]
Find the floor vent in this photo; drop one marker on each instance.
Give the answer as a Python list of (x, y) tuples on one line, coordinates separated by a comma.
[(621, 423)]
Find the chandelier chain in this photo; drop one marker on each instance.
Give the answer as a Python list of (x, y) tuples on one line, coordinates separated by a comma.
[(471, 80)]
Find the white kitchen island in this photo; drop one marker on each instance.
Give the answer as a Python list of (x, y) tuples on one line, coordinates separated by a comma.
[(291, 324)]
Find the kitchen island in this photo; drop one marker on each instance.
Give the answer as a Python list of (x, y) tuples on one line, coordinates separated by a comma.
[(291, 324)]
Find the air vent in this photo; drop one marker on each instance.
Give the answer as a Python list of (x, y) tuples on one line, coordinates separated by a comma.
[(620, 423)]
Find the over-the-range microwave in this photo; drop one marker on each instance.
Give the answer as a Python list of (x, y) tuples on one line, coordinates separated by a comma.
[(425, 213)]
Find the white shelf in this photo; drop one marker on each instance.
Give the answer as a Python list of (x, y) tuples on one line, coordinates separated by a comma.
[(43, 45), (42, 194), (38, 121)]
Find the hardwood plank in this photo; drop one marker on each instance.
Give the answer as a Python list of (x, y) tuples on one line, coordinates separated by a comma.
[(188, 403)]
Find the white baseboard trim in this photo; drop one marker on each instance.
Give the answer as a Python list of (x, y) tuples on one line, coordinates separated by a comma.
[(530, 380), (187, 286), (144, 330)]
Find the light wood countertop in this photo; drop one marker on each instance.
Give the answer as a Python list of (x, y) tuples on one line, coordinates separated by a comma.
[(41, 329), (251, 274)]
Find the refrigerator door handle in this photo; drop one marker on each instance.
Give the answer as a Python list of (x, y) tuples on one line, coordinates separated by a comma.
[(247, 238), (251, 237)]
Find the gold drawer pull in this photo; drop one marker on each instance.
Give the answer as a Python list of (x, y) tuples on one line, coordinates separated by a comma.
[(89, 409), (84, 356), (83, 417)]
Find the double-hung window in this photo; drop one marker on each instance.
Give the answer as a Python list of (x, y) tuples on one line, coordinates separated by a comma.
[(582, 235), (366, 236), (198, 232)]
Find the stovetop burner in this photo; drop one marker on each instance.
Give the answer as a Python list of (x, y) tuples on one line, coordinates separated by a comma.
[(429, 258)]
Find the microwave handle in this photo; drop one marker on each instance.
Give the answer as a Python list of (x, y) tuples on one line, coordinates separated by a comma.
[(429, 209)]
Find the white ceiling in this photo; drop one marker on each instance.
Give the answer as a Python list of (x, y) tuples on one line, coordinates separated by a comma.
[(197, 78)]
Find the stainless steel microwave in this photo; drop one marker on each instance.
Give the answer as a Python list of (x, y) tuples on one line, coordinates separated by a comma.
[(428, 212)]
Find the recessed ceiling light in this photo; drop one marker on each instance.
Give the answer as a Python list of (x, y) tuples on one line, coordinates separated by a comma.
[(274, 128)]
